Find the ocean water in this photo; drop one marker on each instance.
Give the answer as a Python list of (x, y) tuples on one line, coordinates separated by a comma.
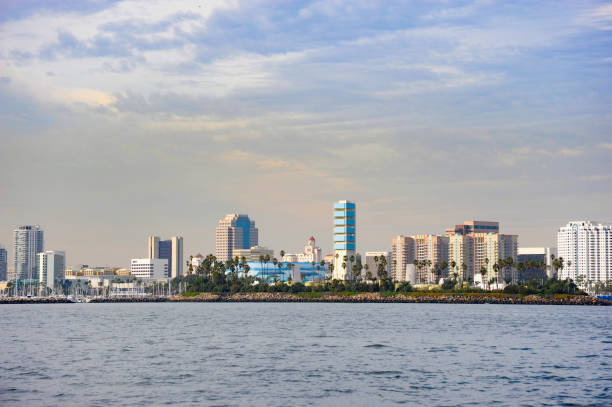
[(286, 354)]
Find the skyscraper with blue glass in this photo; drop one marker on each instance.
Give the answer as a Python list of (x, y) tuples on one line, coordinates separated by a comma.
[(235, 232), (344, 240)]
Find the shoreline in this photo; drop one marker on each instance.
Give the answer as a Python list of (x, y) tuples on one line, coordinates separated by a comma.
[(408, 298)]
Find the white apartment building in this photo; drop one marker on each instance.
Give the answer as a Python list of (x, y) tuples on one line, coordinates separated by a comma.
[(149, 268), (51, 267), (586, 248)]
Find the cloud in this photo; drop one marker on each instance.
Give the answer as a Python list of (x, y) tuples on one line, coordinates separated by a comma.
[(600, 17)]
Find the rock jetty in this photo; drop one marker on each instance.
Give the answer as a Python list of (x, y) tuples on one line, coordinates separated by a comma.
[(416, 297), (471, 298), (20, 300)]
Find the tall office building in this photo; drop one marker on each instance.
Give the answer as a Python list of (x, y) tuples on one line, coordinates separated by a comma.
[(235, 232), (28, 243), (3, 264), (171, 250), (344, 240), (402, 254), (51, 267), (586, 248)]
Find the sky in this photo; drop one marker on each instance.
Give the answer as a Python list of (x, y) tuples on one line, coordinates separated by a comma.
[(122, 119)]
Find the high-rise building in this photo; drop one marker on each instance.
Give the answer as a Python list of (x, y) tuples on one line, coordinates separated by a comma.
[(171, 250), (460, 253), (479, 244), (402, 254), (586, 249), (373, 260), (430, 247), (3, 264), (344, 240), (149, 268), (474, 226), (492, 247), (51, 267), (28, 243), (235, 232)]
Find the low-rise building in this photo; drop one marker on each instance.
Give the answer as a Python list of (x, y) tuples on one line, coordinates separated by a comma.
[(527, 255), (149, 268), (373, 260), (253, 253), (311, 253)]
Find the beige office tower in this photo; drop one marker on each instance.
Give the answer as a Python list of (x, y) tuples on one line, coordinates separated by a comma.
[(430, 247), (235, 232), (460, 250), (402, 254), (171, 249)]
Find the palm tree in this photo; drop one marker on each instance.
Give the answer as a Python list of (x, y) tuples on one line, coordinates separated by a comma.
[(266, 260), (261, 261), (509, 264), (282, 254), (443, 267), (355, 271), (496, 268), (274, 263), (483, 275)]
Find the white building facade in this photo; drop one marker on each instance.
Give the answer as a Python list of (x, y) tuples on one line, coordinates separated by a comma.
[(149, 268), (311, 253), (586, 249), (51, 267)]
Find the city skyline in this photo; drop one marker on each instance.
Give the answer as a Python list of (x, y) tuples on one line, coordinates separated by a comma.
[(150, 119)]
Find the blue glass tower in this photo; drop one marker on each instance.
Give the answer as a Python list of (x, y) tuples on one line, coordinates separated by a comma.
[(344, 240)]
